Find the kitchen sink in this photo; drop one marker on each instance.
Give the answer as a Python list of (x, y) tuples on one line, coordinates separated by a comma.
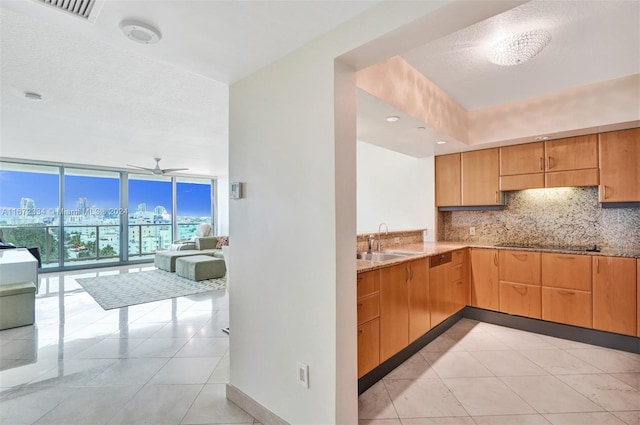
[(379, 256)]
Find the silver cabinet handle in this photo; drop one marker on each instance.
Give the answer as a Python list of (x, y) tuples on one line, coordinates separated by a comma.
[(549, 163), (497, 196), (566, 293), (540, 163), (604, 191), (597, 265), (495, 258)]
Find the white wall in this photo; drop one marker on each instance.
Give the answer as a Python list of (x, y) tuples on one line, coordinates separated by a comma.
[(222, 218), (292, 140), (394, 188)]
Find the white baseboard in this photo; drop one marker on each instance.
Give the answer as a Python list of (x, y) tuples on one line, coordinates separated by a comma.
[(252, 407)]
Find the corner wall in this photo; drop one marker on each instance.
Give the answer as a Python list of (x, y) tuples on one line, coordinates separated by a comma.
[(395, 189)]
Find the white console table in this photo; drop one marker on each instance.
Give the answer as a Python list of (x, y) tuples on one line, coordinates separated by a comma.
[(17, 266)]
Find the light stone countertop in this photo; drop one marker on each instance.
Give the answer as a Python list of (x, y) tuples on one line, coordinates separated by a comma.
[(428, 249)]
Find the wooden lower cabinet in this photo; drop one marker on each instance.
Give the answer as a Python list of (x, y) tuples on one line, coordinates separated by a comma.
[(568, 306), (449, 287), (418, 287), (520, 292), (368, 311), (485, 287), (520, 299), (638, 295), (394, 310), (615, 299), (566, 289), (368, 346)]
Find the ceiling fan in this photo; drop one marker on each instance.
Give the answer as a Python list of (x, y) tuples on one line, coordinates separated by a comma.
[(158, 171)]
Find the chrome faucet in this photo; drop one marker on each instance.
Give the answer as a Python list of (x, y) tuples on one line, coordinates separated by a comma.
[(379, 237), (372, 239)]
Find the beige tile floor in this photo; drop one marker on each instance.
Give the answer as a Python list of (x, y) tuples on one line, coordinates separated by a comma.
[(478, 373), (165, 362)]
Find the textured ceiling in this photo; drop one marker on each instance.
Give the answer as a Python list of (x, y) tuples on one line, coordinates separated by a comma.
[(592, 41), (111, 102)]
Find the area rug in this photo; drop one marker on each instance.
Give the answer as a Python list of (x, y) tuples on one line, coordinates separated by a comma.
[(122, 290)]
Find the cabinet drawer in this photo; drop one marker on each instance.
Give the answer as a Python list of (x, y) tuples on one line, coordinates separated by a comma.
[(368, 308), (368, 283), (457, 257), (457, 272), (520, 267), (566, 271), (522, 300), (567, 306), (368, 346)]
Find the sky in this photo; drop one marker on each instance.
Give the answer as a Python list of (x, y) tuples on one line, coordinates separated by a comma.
[(193, 199)]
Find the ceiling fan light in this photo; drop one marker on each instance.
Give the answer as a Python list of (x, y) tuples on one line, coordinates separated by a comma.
[(518, 49)]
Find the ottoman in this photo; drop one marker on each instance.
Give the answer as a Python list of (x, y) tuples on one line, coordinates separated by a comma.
[(17, 305), (200, 267), (166, 260)]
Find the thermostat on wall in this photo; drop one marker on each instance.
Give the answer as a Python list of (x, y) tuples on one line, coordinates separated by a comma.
[(236, 190)]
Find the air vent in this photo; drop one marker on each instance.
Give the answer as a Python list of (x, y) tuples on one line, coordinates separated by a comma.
[(85, 9)]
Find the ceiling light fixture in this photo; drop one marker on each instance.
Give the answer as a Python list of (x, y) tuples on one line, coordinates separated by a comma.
[(392, 118), (32, 96), (140, 32), (518, 49), (441, 142)]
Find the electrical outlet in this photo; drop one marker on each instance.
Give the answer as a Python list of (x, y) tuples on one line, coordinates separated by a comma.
[(472, 231), (303, 375), (396, 240)]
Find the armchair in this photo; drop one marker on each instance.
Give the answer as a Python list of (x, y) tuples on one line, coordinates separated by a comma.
[(204, 229)]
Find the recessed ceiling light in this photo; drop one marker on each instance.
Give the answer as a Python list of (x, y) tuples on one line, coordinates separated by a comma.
[(541, 138), (392, 118), (519, 48), (32, 96), (441, 142), (140, 32)]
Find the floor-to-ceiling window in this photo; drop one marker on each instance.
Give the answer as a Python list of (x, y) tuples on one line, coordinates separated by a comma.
[(193, 205), (92, 212), (98, 216), (29, 202), (150, 215)]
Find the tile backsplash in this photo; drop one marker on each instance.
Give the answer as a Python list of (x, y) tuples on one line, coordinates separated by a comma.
[(561, 216)]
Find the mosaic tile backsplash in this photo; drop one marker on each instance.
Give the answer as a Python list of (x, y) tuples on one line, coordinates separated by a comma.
[(560, 217)]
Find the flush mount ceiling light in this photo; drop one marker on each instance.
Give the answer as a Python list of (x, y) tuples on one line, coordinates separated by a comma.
[(518, 49), (441, 142), (391, 118), (140, 32)]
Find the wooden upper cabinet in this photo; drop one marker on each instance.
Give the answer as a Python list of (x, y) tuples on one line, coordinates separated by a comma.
[(572, 162), (481, 177), (620, 166), (522, 166), (573, 153), (522, 159), (448, 183)]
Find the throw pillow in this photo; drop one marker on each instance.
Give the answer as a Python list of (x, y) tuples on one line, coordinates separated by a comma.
[(222, 241)]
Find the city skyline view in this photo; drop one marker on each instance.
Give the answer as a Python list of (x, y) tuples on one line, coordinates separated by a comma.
[(101, 192)]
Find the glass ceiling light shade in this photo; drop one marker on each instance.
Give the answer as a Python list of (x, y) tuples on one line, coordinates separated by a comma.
[(518, 49)]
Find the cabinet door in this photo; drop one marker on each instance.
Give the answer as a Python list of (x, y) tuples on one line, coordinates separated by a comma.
[(368, 346), (620, 166), (614, 295), (522, 159), (485, 290), (481, 177), (448, 183), (566, 271), (573, 153), (521, 300), (520, 267), (567, 306), (439, 295), (368, 283), (394, 310), (460, 295), (419, 317)]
